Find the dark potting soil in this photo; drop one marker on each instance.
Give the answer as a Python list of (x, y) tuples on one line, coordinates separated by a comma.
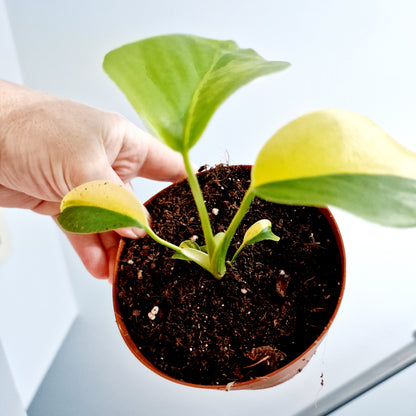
[(270, 306)]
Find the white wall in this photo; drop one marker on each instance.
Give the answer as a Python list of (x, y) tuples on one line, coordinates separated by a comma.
[(9, 65), (10, 401), (37, 306)]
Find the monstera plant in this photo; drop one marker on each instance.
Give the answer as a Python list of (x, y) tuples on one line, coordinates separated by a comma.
[(327, 157)]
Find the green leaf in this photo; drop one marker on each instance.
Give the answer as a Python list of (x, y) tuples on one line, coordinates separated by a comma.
[(99, 206), (339, 158), (259, 231), (191, 251), (87, 220), (187, 244), (176, 82), (218, 238)]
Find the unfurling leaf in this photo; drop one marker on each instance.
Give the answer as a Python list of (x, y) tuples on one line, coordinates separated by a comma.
[(176, 82), (259, 231), (339, 158), (190, 250), (187, 244), (99, 206)]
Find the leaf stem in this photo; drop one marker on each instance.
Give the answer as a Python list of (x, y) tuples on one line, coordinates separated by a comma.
[(200, 205), (237, 253), (161, 241), (218, 261)]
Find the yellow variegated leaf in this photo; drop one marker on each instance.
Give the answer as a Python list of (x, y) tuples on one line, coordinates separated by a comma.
[(335, 157), (100, 206), (261, 230)]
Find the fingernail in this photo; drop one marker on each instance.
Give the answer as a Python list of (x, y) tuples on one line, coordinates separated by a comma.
[(133, 233)]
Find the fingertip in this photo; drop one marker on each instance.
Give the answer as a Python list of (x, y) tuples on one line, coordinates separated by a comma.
[(194, 167), (133, 232)]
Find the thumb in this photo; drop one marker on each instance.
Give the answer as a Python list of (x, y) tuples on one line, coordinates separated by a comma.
[(132, 232)]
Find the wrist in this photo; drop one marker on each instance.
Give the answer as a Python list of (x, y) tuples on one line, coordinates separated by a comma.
[(18, 105)]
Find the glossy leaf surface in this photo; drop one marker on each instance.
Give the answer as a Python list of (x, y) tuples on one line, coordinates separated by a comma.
[(259, 231), (192, 251), (101, 206), (176, 82), (339, 158)]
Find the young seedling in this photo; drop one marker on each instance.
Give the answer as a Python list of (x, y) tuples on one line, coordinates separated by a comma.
[(328, 157)]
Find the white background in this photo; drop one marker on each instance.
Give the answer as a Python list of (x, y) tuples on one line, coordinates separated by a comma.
[(36, 302), (355, 55)]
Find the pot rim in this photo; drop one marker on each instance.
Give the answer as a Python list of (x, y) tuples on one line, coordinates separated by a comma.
[(276, 377)]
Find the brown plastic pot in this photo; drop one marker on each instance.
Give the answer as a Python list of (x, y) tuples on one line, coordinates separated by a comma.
[(272, 379)]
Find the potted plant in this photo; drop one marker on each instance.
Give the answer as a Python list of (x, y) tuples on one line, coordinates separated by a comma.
[(266, 302)]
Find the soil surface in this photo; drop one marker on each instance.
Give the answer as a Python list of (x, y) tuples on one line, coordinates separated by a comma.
[(270, 306)]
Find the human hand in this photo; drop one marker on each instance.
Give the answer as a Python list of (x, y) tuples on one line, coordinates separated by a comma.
[(51, 145)]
